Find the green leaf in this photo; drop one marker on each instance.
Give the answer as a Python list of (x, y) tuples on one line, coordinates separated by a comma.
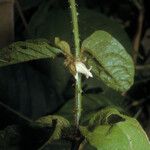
[(49, 121), (28, 4), (110, 61), (25, 51), (126, 134)]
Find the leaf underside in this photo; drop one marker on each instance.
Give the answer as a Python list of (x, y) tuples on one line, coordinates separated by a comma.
[(25, 51)]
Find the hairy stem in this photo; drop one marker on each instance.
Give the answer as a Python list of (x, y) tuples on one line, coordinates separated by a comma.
[(78, 89)]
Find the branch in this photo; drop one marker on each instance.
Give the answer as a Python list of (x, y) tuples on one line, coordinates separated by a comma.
[(143, 67), (137, 37), (21, 15), (15, 112)]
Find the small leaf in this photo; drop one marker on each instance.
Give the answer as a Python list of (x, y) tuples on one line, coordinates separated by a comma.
[(63, 45), (25, 51), (109, 60), (48, 121), (121, 135)]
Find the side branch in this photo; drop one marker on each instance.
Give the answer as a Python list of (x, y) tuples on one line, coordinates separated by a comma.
[(137, 37)]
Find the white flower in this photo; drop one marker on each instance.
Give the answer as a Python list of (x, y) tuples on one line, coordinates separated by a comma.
[(81, 68)]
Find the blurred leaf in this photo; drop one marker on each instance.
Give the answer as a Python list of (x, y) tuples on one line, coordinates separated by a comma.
[(25, 51), (109, 60), (90, 104), (56, 23), (50, 120), (28, 4), (60, 75), (10, 138), (58, 145), (105, 136), (96, 86)]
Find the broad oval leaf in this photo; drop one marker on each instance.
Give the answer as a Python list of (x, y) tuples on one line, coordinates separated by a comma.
[(121, 135), (109, 60), (25, 51)]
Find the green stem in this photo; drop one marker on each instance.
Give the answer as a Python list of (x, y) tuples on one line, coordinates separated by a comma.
[(78, 88)]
